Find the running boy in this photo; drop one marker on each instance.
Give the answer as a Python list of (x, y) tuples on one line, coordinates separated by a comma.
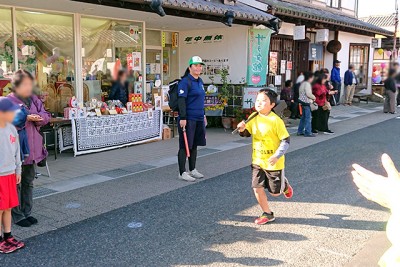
[(270, 143), (10, 174)]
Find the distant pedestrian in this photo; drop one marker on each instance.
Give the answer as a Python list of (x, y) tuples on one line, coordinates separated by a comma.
[(350, 81), (192, 119), (288, 97), (10, 174), (305, 99), (270, 142), (336, 82), (390, 93), (22, 95), (321, 115)]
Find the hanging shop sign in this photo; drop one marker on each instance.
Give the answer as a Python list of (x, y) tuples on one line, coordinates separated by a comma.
[(137, 61), (376, 43), (129, 61), (259, 40), (315, 52), (134, 32), (322, 35), (163, 38), (299, 32), (175, 39)]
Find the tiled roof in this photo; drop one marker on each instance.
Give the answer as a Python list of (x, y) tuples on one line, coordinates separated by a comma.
[(303, 10), (381, 20), (217, 8)]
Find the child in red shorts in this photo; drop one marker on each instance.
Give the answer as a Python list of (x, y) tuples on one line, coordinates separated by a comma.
[(10, 174)]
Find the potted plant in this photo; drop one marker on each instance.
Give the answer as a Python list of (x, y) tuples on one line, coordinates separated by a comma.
[(239, 116)]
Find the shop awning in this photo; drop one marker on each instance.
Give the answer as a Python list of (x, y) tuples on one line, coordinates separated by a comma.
[(296, 12), (197, 9)]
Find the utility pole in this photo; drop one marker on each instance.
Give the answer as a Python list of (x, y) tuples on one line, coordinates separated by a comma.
[(396, 22)]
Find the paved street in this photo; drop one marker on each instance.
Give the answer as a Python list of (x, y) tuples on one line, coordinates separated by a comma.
[(151, 219)]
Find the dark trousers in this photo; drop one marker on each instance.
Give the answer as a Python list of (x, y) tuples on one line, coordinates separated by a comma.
[(25, 194), (320, 119), (294, 109), (336, 97), (398, 97), (182, 159)]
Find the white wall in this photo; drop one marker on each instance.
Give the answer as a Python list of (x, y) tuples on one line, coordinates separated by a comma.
[(233, 47), (346, 39)]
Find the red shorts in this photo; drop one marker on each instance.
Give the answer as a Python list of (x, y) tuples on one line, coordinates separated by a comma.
[(8, 192)]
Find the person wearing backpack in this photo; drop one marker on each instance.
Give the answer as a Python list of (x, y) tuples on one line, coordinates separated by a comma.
[(191, 95)]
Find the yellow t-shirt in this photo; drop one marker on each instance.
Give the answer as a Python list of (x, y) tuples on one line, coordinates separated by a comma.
[(267, 133)]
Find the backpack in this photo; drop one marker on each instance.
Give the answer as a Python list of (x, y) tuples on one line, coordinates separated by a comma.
[(173, 93)]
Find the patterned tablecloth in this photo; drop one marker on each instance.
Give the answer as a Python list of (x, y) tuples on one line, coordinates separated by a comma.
[(95, 134)]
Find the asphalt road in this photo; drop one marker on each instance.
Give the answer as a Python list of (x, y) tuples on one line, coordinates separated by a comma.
[(211, 223)]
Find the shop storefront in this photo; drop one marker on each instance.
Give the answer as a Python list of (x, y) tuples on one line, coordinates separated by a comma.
[(76, 49)]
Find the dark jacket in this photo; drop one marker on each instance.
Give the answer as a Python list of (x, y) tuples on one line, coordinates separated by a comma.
[(348, 77), (390, 84), (287, 95), (119, 92), (335, 75), (296, 92)]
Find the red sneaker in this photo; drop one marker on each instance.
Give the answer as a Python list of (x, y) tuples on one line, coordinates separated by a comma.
[(15, 242), (289, 192), (265, 218), (6, 248)]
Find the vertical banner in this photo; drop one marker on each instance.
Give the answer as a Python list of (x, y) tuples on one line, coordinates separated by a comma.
[(175, 39), (129, 62), (259, 40)]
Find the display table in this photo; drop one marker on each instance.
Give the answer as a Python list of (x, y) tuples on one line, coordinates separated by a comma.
[(95, 134)]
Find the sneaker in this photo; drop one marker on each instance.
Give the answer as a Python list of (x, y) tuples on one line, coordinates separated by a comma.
[(314, 131), (300, 134), (6, 247), (15, 242), (289, 191), (329, 132), (265, 218), (398, 117), (195, 174), (186, 177)]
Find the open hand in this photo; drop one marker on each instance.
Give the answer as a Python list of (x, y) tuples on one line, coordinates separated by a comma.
[(272, 160), (375, 187), (34, 118)]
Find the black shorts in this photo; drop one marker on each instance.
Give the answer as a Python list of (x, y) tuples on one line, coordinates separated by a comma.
[(272, 180)]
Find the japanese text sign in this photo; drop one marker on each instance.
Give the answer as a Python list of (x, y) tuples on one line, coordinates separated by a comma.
[(259, 40)]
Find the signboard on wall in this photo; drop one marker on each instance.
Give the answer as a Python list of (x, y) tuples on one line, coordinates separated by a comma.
[(259, 40), (316, 52), (218, 52), (299, 32), (249, 97), (322, 35), (376, 43)]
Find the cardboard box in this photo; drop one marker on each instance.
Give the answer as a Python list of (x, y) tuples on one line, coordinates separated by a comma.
[(166, 133)]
